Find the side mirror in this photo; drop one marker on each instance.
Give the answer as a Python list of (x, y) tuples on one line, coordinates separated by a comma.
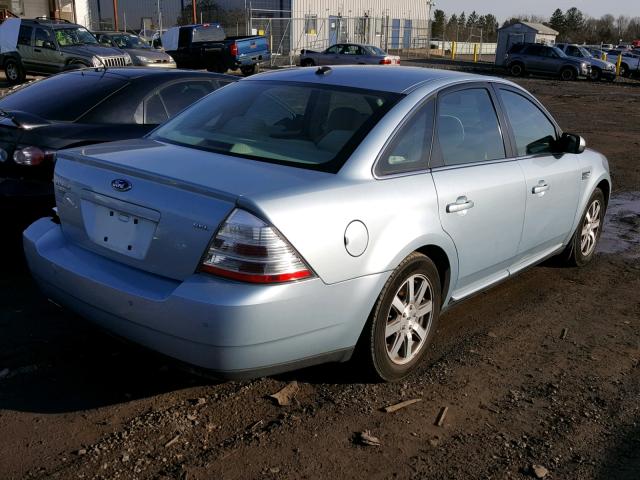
[(571, 143)]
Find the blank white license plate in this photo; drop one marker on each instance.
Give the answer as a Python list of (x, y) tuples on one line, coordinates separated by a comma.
[(117, 230)]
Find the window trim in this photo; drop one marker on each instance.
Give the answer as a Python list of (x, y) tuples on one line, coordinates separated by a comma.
[(507, 124), (398, 131), (436, 152)]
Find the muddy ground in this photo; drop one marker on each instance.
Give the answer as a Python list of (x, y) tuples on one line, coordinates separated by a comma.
[(542, 370)]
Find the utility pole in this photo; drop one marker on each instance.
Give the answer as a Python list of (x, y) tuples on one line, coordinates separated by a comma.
[(115, 15), (195, 16)]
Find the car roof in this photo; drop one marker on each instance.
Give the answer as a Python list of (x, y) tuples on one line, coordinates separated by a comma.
[(132, 73), (51, 23), (376, 77)]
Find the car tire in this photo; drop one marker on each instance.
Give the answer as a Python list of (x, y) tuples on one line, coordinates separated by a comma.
[(393, 343), (517, 69), (307, 62), (568, 74), (582, 246), (247, 71), (13, 71), (596, 74), (217, 68), (624, 70)]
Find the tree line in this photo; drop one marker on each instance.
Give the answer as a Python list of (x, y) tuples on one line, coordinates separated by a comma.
[(572, 26)]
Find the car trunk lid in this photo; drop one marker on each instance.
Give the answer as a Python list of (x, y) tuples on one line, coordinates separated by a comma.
[(156, 206)]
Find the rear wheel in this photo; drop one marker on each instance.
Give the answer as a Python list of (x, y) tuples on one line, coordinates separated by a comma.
[(516, 69), (624, 70), (582, 247), (250, 70), (217, 67), (14, 71), (568, 74), (404, 320)]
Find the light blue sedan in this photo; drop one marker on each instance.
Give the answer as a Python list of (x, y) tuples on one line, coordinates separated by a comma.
[(311, 215)]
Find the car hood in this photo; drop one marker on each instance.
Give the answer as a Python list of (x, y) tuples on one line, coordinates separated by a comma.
[(596, 62), (150, 53), (91, 50)]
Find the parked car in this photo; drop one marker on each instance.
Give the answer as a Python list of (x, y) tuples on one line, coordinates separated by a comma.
[(348, 54), (46, 46), (80, 108), (207, 46), (600, 69), (630, 64), (303, 216), (142, 54), (525, 58)]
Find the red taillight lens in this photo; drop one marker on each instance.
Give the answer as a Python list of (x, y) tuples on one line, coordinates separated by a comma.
[(385, 61), (32, 156), (248, 249), (234, 49)]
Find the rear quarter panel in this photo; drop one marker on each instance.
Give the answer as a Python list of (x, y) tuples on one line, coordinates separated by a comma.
[(400, 214)]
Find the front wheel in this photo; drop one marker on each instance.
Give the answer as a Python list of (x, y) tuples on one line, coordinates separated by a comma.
[(307, 62), (596, 74), (403, 321), (13, 71), (568, 74), (624, 70), (516, 69), (582, 247)]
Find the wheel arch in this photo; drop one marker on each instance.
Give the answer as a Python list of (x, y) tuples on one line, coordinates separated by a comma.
[(441, 260)]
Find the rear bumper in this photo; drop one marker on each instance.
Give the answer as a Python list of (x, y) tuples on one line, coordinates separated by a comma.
[(234, 329)]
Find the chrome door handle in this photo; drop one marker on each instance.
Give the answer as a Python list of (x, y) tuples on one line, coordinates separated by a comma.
[(541, 187), (461, 205)]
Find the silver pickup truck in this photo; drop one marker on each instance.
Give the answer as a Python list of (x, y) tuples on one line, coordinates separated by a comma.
[(46, 46)]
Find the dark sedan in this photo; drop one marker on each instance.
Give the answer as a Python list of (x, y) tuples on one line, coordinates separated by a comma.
[(78, 108)]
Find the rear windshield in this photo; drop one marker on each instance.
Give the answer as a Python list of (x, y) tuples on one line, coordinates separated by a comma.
[(303, 125), (64, 97), (207, 33)]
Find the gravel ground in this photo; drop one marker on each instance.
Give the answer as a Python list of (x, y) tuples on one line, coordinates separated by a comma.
[(539, 375)]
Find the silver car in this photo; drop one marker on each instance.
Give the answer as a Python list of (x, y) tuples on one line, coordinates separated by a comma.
[(348, 54), (307, 215), (142, 54)]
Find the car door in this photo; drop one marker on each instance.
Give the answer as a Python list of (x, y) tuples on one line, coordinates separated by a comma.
[(535, 62), (331, 56), (45, 51), (24, 47), (481, 199), (552, 180)]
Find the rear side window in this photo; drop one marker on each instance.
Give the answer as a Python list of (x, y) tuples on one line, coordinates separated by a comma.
[(24, 35), (467, 127), (517, 48), (533, 131), (64, 97), (179, 96), (409, 150), (534, 50)]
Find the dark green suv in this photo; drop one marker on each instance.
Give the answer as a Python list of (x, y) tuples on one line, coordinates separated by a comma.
[(47, 46)]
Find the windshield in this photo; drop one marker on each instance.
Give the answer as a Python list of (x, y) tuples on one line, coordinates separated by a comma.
[(585, 53), (129, 41), (304, 125), (74, 36), (376, 50)]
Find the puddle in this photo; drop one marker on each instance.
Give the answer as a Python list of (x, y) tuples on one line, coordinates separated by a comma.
[(621, 232)]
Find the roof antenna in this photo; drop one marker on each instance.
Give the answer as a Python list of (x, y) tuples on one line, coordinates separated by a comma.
[(323, 70)]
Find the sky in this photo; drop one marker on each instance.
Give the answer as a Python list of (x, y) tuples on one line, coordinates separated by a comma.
[(506, 9)]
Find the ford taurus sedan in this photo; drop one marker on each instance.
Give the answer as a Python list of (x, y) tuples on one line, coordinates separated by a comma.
[(348, 54), (304, 216)]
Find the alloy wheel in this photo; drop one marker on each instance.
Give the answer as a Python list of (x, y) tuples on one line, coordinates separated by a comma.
[(409, 319), (590, 228), (12, 71)]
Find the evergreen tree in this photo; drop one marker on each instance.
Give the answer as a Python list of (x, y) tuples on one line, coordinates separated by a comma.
[(472, 21), (439, 23), (574, 22), (557, 21)]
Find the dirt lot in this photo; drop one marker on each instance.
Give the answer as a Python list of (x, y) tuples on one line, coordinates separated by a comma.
[(542, 370)]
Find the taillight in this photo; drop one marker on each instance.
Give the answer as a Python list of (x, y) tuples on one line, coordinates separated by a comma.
[(385, 61), (32, 156), (248, 249), (234, 49)]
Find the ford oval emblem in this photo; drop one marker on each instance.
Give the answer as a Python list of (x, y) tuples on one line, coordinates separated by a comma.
[(121, 185)]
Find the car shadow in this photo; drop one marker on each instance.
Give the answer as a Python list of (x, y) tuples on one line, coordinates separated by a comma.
[(622, 460), (52, 361)]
